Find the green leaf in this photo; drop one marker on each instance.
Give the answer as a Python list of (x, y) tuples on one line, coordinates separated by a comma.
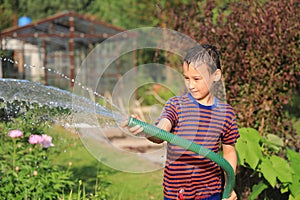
[(267, 170), (293, 155), (297, 197), (274, 142), (253, 153), (257, 189), (241, 147), (275, 139), (294, 159), (248, 147), (283, 170), (295, 187), (250, 134), (284, 188)]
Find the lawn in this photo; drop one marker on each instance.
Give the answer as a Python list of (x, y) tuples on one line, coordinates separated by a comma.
[(85, 167)]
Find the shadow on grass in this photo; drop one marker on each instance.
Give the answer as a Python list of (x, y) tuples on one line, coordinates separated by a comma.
[(93, 177)]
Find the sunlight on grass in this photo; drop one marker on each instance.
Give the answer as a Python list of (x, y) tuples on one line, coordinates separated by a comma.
[(137, 186), (85, 167)]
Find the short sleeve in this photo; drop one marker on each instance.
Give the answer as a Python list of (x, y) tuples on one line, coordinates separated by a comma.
[(170, 112), (231, 132)]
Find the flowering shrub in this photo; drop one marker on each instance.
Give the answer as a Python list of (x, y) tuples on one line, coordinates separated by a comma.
[(26, 172), (44, 140), (15, 133)]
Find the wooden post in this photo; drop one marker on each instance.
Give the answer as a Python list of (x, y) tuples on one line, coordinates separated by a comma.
[(45, 62), (71, 50), (21, 66)]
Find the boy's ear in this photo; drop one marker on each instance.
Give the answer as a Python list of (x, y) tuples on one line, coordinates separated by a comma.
[(217, 75)]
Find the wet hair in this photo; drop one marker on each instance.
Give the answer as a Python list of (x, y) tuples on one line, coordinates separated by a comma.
[(204, 54)]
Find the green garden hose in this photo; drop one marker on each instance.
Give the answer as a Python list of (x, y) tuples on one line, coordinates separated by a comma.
[(189, 145)]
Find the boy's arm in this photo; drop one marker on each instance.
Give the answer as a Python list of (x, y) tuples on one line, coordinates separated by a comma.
[(229, 153), (164, 124)]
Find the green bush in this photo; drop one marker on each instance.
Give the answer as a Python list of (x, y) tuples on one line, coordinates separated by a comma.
[(26, 172), (272, 169)]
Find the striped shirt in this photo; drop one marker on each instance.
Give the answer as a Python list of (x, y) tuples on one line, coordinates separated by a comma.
[(186, 172)]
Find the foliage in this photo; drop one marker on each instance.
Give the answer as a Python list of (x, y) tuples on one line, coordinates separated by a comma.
[(26, 171), (274, 168), (259, 43), (27, 153), (127, 13), (38, 9), (6, 17), (293, 107)]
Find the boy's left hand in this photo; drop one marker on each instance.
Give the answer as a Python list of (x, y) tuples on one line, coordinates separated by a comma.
[(233, 196), (135, 130)]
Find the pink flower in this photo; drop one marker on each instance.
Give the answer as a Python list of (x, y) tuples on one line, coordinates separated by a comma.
[(47, 141), (35, 139), (44, 140), (15, 133)]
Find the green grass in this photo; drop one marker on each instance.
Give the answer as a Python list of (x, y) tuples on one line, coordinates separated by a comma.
[(136, 186), (85, 167)]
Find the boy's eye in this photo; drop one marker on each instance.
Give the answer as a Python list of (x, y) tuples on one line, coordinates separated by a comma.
[(197, 78)]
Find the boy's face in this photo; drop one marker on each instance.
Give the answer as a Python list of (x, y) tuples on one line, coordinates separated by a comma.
[(198, 81)]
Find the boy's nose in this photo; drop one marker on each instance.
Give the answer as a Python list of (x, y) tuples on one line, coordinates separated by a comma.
[(191, 85)]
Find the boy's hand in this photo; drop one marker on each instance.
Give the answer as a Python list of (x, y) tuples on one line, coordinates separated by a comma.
[(233, 196), (135, 130)]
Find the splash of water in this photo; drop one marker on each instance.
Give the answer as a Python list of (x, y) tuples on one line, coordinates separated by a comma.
[(95, 118), (53, 97), (34, 92)]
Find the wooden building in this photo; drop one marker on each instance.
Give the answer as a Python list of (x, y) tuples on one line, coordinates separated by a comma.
[(57, 43)]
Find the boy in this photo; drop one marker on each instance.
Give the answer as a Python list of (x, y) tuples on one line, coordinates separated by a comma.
[(198, 116)]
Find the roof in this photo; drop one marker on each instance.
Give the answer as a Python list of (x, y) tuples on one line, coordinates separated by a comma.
[(57, 29)]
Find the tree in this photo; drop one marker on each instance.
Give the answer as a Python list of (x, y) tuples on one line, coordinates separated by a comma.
[(6, 16), (37, 9), (128, 14)]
